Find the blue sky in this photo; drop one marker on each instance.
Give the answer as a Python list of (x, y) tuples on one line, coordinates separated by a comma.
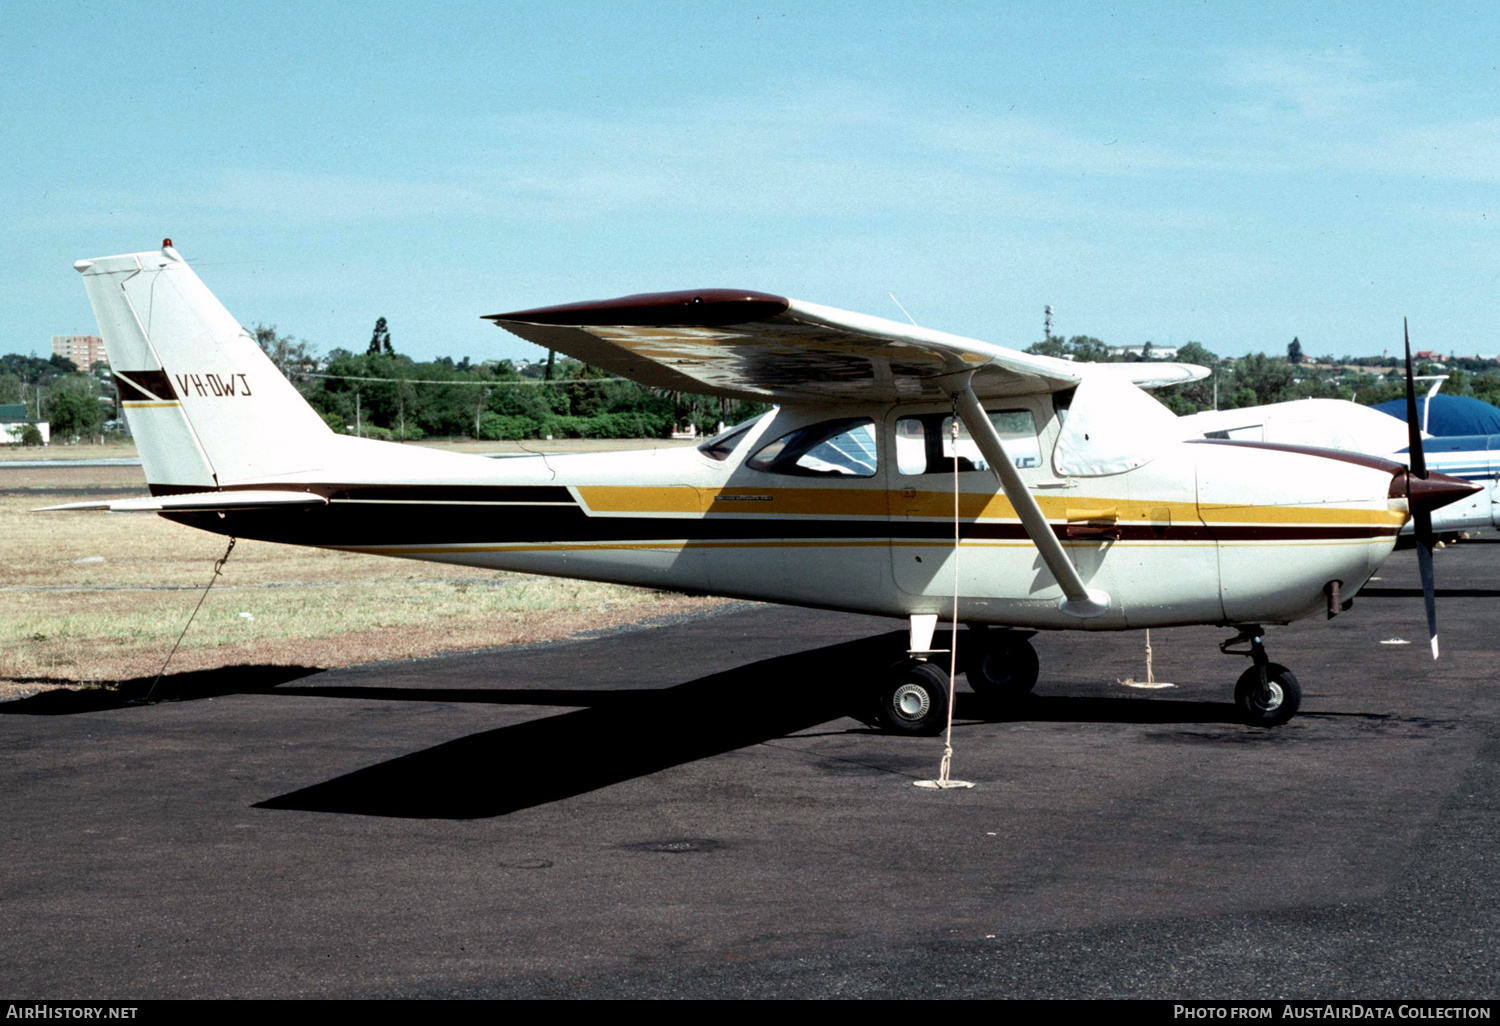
[(1231, 173)]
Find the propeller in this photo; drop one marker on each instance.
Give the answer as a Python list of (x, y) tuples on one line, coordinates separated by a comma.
[(1421, 512)]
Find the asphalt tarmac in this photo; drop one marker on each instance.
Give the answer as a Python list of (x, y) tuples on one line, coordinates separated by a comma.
[(689, 810)]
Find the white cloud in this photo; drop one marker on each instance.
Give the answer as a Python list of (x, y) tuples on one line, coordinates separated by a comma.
[(1314, 86), (826, 149), (322, 197), (1463, 150), (1328, 111)]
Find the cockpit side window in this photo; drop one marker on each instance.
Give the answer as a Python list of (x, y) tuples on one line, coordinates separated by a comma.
[(924, 443), (832, 448)]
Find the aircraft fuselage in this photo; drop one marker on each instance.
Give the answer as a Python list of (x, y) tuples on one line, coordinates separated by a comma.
[(864, 521)]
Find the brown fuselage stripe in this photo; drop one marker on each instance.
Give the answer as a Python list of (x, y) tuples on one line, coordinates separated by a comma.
[(1358, 459), (423, 551)]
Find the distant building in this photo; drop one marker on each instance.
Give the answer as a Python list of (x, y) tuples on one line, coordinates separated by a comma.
[(13, 421), (1157, 352), (83, 350)]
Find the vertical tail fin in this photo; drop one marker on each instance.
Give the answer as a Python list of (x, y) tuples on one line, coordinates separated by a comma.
[(206, 405)]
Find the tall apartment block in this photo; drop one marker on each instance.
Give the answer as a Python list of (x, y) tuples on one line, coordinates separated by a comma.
[(83, 350)]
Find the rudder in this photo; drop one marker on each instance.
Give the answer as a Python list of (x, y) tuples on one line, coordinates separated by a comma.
[(207, 407)]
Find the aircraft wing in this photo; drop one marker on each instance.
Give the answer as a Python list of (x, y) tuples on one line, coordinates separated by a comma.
[(751, 345), (1157, 375)]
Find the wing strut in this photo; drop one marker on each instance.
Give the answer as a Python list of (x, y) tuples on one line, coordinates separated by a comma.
[(1080, 600)]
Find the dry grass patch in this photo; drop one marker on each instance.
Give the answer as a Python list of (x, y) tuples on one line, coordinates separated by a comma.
[(59, 451), (101, 597)]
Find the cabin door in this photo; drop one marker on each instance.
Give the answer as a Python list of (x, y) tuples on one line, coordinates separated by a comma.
[(997, 561)]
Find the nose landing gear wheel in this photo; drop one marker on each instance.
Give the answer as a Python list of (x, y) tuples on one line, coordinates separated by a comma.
[(914, 699), (1272, 704)]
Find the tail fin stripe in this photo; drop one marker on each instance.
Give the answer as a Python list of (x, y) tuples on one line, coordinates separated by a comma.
[(145, 386)]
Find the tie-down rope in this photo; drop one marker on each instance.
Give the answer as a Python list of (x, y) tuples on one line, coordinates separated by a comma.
[(945, 779), (947, 765), (218, 571)]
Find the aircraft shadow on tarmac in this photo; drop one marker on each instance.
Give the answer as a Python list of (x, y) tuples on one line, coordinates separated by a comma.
[(1365, 593), (627, 732), (245, 679), (631, 733)]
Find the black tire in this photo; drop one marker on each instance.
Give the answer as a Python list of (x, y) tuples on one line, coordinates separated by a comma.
[(998, 667), (1283, 698), (914, 699)]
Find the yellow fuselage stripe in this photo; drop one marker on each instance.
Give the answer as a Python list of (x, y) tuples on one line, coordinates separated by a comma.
[(872, 502)]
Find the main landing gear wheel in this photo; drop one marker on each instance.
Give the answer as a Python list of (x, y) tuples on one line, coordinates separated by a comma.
[(999, 667), (914, 699), (1271, 702)]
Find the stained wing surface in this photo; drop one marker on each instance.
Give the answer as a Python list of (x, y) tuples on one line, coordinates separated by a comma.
[(752, 345)]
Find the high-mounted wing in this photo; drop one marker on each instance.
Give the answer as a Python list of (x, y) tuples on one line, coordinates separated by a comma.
[(751, 345)]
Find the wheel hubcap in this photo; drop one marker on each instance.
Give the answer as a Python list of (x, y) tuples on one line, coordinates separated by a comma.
[(1270, 697), (911, 702)]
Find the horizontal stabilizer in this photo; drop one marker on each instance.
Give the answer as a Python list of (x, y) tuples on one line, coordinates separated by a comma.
[(199, 502)]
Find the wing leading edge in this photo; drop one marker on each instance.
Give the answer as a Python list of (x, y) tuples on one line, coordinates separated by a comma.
[(752, 345)]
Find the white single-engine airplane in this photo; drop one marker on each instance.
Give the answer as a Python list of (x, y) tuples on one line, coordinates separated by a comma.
[(841, 498)]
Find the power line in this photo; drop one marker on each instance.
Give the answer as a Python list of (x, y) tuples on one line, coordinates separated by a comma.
[(483, 382)]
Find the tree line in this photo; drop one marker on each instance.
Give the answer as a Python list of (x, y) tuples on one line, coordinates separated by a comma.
[(383, 393), (1258, 379), (76, 403)]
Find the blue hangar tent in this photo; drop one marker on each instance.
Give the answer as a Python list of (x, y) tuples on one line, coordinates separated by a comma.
[(1450, 415)]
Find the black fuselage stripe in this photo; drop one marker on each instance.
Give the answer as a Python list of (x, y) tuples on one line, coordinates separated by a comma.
[(356, 524), (436, 494)]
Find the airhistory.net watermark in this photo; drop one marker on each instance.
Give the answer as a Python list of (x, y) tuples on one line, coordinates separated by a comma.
[(38, 1010)]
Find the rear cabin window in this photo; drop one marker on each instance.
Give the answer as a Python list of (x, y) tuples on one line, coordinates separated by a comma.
[(833, 448), (924, 444)]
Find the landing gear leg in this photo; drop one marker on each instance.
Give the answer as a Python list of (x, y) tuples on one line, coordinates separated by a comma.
[(1267, 693)]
